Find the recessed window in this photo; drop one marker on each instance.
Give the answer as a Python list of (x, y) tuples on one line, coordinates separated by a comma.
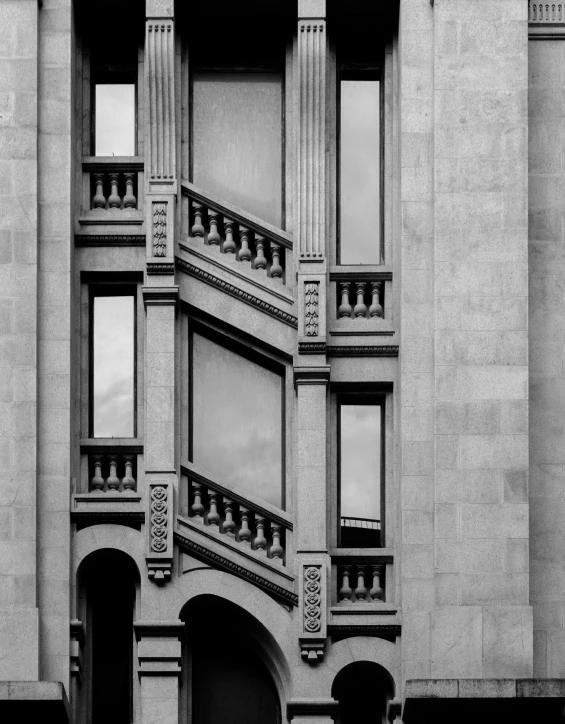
[(113, 364), (359, 171), (360, 455), (115, 119), (237, 139), (237, 422)]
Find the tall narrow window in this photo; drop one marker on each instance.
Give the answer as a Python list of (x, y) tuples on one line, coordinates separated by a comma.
[(237, 139), (237, 425), (114, 119), (360, 170), (113, 364), (360, 443)]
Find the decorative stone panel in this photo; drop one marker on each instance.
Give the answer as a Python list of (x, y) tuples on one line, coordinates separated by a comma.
[(159, 523), (313, 607)]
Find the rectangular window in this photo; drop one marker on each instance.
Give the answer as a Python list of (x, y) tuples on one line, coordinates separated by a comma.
[(114, 122), (359, 170), (237, 419), (113, 343), (360, 474), (237, 139)]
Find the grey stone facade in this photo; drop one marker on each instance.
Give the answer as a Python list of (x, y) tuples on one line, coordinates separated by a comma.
[(467, 355)]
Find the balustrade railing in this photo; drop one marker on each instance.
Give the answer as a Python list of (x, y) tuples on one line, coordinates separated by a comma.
[(114, 189), (360, 300), (238, 235), (544, 12), (109, 472), (231, 513), (360, 582)]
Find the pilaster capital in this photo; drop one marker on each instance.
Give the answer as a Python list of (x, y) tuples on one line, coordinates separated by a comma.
[(160, 296), (159, 647), (312, 375)]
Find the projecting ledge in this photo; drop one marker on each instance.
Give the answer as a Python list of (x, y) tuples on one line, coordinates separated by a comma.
[(43, 701), (484, 700)]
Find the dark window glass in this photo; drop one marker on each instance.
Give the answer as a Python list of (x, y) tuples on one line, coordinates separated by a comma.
[(113, 350), (359, 178), (115, 119), (360, 475), (237, 139), (237, 419)]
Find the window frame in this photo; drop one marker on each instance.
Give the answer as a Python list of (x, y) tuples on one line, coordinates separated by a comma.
[(250, 352), (109, 288), (367, 72)]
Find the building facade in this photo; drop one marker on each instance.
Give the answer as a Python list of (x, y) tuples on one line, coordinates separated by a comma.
[(282, 351)]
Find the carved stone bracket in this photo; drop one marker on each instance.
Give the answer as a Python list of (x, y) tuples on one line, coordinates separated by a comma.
[(312, 375), (160, 296), (313, 607), (159, 647), (159, 518), (76, 644)]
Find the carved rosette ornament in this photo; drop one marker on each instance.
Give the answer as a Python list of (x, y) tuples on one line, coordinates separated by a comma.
[(159, 531), (159, 228), (313, 637), (311, 308)]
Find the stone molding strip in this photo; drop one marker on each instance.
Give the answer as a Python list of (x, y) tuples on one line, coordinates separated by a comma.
[(110, 240), (202, 552), (238, 293), (160, 267), (385, 350), (379, 630), (160, 295), (312, 375)]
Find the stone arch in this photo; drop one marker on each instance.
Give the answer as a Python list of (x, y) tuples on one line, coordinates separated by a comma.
[(254, 663), (364, 648), (363, 690)]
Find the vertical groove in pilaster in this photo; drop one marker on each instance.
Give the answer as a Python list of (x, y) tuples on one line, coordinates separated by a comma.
[(160, 62), (312, 161)]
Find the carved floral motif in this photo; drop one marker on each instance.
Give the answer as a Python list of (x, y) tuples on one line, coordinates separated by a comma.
[(312, 599), (311, 304), (158, 523), (159, 228)]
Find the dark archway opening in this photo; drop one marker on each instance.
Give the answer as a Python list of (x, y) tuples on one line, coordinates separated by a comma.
[(363, 690), (227, 680), (107, 582)]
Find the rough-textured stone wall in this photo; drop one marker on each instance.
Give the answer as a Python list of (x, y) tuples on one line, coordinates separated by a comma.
[(465, 426), (547, 344), (55, 315), (18, 330)]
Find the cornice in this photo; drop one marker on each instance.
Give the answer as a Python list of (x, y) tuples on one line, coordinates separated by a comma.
[(311, 348), (238, 293), (110, 240), (378, 630), (160, 296), (154, 267), (229, 565), (312, 375), (385, 350)]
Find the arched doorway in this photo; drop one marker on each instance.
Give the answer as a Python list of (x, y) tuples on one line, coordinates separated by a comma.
[(363, 690), (227, 674)]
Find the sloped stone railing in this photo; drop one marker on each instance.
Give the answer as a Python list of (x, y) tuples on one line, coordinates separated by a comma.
[(546, 12), (235, 233), (236, 514)]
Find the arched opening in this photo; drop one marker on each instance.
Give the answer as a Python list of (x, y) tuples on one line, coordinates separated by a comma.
[(228, 673), (363, 690), (107, 582)]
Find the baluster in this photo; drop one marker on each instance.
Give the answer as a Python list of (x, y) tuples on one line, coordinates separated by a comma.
[(244, 253), (197, 228), (276, 268), (197, 507), (260, 540), (361, 590), (128, 482), (130, 201), (99, 200), (228, 524), (114, 200), (375, 310), (376, 591), (345, 307), (360, 309), (277, 550), (213, 515), (213, 236), (113, 481), (229, 244), (260, 262), (345, 591), (244, 532), (97, 482)]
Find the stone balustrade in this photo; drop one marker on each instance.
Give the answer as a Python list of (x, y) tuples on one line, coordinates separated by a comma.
[(359, 299), (232, 513), (111, 472), (544, 12), (236, 234), (114, 190), (360, 582)]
